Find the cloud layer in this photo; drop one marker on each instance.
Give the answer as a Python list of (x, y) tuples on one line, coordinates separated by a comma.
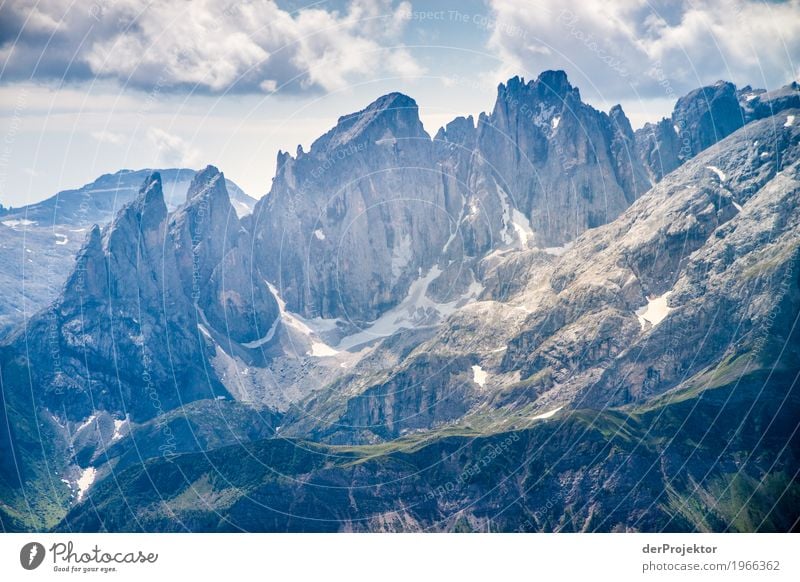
[(622, 46), (239, 46)]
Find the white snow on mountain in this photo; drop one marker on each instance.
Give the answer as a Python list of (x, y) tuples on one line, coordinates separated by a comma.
[(15, 223), (119, 426), (85, 481), (416, 310), (479, 376), (720, 174), (546, 415), (655, 311)]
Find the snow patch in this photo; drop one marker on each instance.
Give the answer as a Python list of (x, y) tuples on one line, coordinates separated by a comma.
[(677, 129), (556, 121), (454, 232), (506, 218), (655, 311), (321, 350), (118, 426), (720, 174), (319, 234), (306, 327), (16, 223), (416, 310), (387, 139), (261, 341), (737, 206), (86, 423), (64, 240), (241, 208), (522, 226), (557, 251), (545, 415), (479, 376), (85, 481), (514, 220), (789, 121)]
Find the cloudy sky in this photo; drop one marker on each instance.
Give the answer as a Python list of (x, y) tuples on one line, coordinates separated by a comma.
[(91, 87)]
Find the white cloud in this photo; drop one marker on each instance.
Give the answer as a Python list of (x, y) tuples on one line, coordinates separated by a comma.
[(172, 150), (651, 47), (205, 45), (105, 136)]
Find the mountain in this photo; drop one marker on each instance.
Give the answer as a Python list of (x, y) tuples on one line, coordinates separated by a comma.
[(630, 310), (702, 118), (38, 242), (376, 205), (699, 119), (127, 340), (651, 385), (98, 201), (502, 327), (729, 468)]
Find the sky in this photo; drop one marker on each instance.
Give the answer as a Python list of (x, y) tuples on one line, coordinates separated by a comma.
[(88, 88)]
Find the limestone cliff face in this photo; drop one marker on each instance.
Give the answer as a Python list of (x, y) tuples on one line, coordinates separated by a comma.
[(123, 336), (562, 165), (512, 281), (700, 119), (375, 203), (216, 269), (349, 225)]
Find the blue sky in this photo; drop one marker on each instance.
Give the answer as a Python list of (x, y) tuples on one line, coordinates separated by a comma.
[(90, 88)]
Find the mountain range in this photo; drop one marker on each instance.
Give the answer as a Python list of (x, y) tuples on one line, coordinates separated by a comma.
[(538, 319), (38, 242)]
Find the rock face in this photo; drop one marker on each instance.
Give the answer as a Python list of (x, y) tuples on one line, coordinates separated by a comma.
[(699, 120), (758, 104), (375, 203), (213, 253), (683, 285), (348, 225), (558, 162)]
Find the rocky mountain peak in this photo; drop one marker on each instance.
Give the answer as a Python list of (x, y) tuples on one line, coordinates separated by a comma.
[(700, 119), (460, 131), (556, 82), (140, 220), (151, 193), (549, 87), (392, 116), (706, 115), (207, 183), (621, 120)]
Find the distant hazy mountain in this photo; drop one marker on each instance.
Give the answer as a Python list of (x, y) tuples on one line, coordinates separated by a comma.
[(502, 327), (98, 201)]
